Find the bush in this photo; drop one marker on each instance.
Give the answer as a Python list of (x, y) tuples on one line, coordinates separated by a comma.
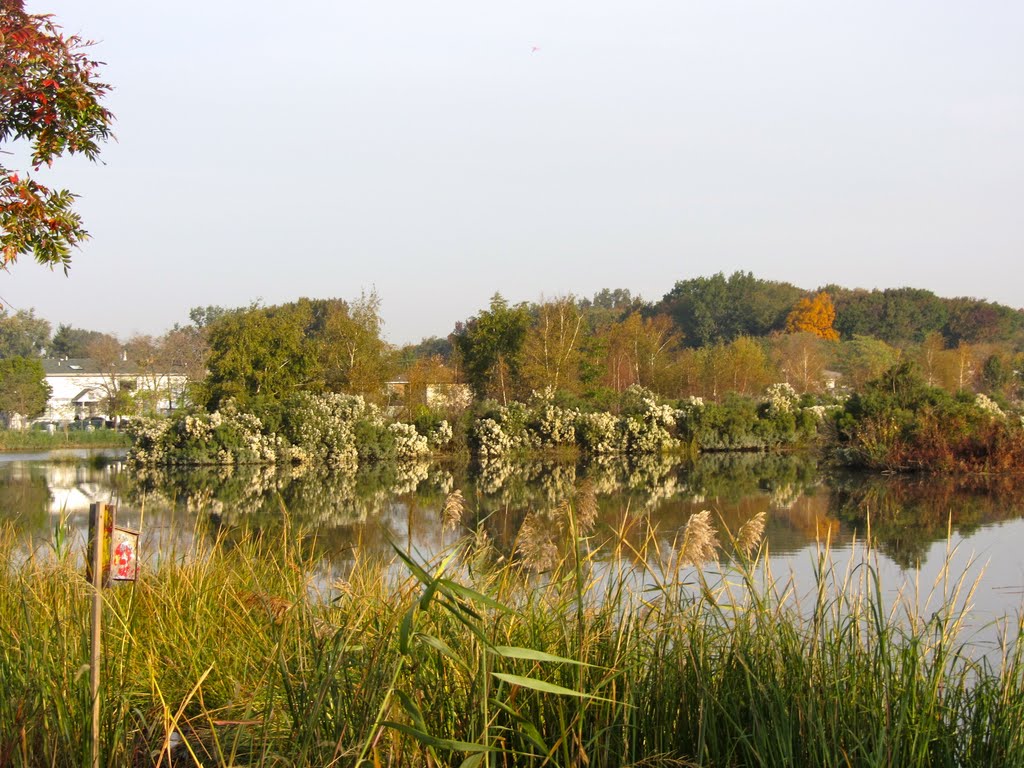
[(899, 423)]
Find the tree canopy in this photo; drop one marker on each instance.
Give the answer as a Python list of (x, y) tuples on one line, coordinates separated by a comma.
[(491, 345), (22, 334), (23, 387), (50, 97), (716, 308), (813, 315)]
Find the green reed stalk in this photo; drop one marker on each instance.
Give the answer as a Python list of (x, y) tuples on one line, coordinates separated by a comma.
[(241, 655)]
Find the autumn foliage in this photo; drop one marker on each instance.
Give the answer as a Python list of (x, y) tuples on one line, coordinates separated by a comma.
[(813, 315), (49, 99)]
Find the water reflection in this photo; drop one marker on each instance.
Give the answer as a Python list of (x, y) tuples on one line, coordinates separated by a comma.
[(403, 503), (907, 515)]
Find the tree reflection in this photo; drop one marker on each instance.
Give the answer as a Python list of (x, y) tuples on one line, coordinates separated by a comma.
[(907, 514)]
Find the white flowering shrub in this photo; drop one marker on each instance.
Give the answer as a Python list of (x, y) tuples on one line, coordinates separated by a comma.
[(223, 437), (441, 435), (148, 444), (647, 425), (491, 440), (320, 429), (781, 398), (988, 405), (641, 435), (502, 429), (599, 433), (408, 443), (553, 426)]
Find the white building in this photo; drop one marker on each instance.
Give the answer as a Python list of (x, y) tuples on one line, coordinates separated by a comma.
[(82, 389)]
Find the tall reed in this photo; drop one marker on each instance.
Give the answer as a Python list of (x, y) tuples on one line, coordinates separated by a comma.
[(242, 655)]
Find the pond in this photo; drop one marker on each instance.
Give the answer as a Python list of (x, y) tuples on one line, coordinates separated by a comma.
[(918, 524)]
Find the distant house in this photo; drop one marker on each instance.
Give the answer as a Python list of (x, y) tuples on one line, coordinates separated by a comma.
[(83, 389), (444, 396)]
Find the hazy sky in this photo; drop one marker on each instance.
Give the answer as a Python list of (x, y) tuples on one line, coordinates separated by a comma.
[(441, 151)]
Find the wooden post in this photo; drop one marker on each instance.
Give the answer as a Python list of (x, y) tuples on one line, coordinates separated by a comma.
[(96, 526)]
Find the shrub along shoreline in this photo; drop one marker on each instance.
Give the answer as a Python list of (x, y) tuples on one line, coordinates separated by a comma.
[(897, 423), (646, 658), (345, 431)]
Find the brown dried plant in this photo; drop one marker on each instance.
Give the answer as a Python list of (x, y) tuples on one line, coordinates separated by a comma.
[(453, 510), (749, 536), (700, 540)]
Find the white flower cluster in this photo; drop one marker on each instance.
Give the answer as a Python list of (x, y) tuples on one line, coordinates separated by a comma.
[(691, 406), (782, 398), (409, 444), (988, 405), (645, 428), (197, 427), (820, 411), (646, 436), (492, 441), (546, 395), (599, 433), (555, 426), (642, 402), (320, 429), (148, 443), (440, 435)]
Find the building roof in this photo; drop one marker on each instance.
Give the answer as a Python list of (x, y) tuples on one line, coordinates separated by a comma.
[(71, 366), (86, 366), (87, 395)]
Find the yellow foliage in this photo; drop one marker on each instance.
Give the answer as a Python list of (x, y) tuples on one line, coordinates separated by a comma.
[(813, 315)]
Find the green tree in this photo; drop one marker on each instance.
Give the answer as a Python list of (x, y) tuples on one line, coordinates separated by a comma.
[(748, 369), (929, 357), (640, 350), (864, 358), (50, 100), (23, 387), (490, 345), (356, 358), (261, 354), (801, 359), (552, 347), (996, 374), (68, 342), (716, 308), (22, 334)]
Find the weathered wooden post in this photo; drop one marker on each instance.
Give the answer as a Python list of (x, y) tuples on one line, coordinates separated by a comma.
[(108, 546), (101, 524)]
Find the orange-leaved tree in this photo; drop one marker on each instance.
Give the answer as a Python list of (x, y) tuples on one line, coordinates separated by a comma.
[(813, 315)]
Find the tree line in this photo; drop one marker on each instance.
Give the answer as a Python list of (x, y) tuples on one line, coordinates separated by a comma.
[(707, 337)]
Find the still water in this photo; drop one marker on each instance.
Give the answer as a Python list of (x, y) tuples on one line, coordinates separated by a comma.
[(918, 524)]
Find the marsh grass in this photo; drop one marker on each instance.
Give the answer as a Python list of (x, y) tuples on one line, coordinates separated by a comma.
[(38, 440), (239, 655)]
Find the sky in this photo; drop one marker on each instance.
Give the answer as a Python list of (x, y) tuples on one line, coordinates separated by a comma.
[(440, 152)]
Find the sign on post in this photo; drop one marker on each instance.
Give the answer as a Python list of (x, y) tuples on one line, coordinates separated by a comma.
[(124, 548), (119, 547)]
